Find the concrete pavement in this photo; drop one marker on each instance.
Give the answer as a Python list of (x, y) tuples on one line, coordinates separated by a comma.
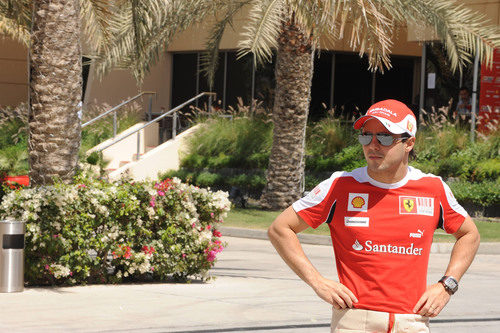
[(254, 292)]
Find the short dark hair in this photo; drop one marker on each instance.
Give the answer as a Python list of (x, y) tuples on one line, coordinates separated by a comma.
[(464, 88), (412, 155)]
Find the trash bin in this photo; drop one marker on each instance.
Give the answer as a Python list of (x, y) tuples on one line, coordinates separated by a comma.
[(11, 256)]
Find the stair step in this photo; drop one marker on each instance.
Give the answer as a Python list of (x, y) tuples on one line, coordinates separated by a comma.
[(122, 163), (149, 148)]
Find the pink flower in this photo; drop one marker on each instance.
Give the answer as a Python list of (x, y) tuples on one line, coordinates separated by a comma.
[(183, 255), (152, 269), (47, 267), (82, 185), (70, 273), (193, 225), (161, 193), (152, 203), (211, 256), (212, 215), (209, 227), (55, 236), (216, 233), (148, 250)]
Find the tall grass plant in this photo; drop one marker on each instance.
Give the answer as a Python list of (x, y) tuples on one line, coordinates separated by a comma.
[(238, 138)]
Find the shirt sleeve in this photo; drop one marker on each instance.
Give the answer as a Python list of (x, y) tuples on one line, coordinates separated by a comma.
[(453, 214), (315, 207)]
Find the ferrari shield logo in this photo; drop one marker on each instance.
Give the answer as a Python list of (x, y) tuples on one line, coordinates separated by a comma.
[(408, 205)]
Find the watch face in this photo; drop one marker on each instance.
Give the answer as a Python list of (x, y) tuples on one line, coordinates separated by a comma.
[(451, 284)]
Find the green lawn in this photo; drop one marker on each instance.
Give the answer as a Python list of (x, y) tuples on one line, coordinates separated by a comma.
[(260, 219)]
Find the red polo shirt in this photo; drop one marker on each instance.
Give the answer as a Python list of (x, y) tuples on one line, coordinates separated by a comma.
[(382, 233)]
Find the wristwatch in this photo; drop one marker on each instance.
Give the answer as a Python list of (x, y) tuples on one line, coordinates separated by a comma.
[(449, 283)]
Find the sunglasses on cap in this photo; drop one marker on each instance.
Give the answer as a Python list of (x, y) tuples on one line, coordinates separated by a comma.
[(384, 139)]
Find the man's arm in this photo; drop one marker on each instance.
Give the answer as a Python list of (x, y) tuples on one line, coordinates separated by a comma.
[(283, 235), (436, 297)]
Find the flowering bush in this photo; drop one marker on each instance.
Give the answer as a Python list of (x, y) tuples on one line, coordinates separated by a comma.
[(97, 232)]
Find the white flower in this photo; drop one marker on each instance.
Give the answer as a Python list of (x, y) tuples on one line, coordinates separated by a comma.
[(59, 271)]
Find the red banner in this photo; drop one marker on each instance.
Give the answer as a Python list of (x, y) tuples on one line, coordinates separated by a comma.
[(489, 98)]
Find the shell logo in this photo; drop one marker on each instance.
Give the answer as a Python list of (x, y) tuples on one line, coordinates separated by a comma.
[(409, 126), (358, 202)]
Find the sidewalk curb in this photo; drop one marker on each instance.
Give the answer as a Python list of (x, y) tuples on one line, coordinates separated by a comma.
[(484, 248)]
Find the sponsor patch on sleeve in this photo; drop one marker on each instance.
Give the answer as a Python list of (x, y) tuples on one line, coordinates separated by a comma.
[(416, 205)]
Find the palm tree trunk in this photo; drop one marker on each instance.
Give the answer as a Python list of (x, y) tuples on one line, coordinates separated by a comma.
[(55, 91), (294, 68)]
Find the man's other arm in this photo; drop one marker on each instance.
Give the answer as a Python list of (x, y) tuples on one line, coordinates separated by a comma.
[(283, 235), (436, 297)]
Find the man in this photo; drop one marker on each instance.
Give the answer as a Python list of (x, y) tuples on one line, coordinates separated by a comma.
[(463, 111), (381, 219)]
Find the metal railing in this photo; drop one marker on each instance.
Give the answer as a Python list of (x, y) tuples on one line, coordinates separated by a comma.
[(172, 113), (114, 109)]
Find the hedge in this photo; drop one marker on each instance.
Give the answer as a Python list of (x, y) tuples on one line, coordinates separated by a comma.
[(99, 232)]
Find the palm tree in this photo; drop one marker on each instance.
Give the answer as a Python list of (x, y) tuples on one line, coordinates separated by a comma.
[(137, 31), (51, 30), (294, 28)]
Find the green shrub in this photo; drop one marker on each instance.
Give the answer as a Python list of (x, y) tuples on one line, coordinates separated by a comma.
[(97, 232), (254, 182), (193, 161), (484, 194), (14, 159), (208, 179), (312, 181), (348, 159), (329, 136), (489, 169), (183, 174), (220, 161), (249, 182), (14, 139), (226, 143)]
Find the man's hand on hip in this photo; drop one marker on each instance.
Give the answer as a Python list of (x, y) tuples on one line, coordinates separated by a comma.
[(432, 301), (334, 293)]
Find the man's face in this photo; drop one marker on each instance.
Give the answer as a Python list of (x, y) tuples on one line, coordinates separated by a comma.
[(384, 160), (464, 94)]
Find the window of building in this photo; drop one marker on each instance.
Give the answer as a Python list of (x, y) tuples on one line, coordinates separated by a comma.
[(341, 81)]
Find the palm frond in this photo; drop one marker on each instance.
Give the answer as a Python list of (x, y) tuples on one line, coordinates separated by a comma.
[(137, 43), (372, 32), (318, 18), (462, 30), (95, 16), (260, 35), (209, 58)]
